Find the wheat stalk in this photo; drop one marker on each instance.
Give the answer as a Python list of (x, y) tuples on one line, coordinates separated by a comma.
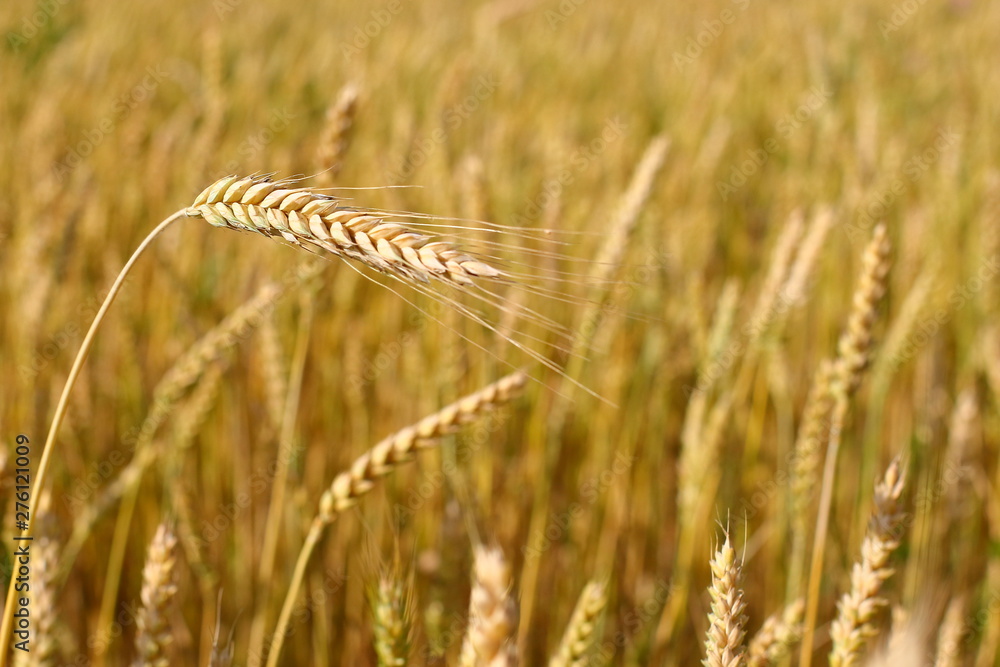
[(725, 646), (857, 608), (581, 633), (489, 640), (153, 631), (380, 460)]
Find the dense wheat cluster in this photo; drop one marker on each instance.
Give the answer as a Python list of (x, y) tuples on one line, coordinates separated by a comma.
[(556, 332)]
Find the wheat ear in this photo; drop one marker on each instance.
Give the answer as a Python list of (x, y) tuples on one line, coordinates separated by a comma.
[(854, 352), (776, 636), (153, 631), (310, 219), (393, 616), (380, 460), (336, 136), (725, 646), (581, 633), (857, 609), (489, 639), (949, 647)]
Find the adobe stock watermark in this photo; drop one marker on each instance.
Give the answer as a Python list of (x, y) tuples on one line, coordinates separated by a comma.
[(957, 299), (476, 439), (877, 206), (632, 623), (710, 31), (613, 130), (65, 336), (363, 35), (901, 13), (32, 25), (256, 142), (561, 14), (454, 116), (122, 107), (589, 492), (97, 472), (739, 174)]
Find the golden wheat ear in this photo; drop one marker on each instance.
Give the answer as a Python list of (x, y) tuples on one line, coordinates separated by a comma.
[(462, 265)]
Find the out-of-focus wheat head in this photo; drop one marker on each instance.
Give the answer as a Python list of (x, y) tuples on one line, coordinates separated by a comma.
[(857, 609)]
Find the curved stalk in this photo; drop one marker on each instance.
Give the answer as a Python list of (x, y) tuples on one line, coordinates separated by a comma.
[(43, 465)]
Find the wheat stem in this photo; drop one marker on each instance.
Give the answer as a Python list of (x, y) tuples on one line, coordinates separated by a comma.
[(43, 465)]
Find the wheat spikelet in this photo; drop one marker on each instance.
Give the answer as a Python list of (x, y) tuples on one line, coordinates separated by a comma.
[(393, 615), (857, 609), (581, 633), (310, 219), (855, 343), (724, 645), (336, 136), (776, 637), (489, 640), (152, 628), (949, 646), (400, 447)]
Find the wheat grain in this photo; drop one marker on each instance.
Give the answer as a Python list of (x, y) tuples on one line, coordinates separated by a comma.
[(158, 589), (856, 611), (489, 640), (582, 632)]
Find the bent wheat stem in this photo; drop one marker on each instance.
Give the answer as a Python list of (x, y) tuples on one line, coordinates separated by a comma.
[(81, 356)]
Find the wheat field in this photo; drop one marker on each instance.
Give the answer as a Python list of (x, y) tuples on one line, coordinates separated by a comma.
[(490, 333)]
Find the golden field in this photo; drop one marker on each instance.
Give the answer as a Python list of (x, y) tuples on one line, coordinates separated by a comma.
[(752, 236)]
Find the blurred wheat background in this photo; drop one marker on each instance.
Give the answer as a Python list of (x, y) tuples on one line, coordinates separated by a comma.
[(724, 165)]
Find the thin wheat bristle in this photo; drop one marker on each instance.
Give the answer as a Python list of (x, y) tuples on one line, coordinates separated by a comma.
[(393, 616), (400, 447), (857, 609), (153, 633), (581, 633), (724, 646), (310, 219), (776, 637), (489, 639)]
